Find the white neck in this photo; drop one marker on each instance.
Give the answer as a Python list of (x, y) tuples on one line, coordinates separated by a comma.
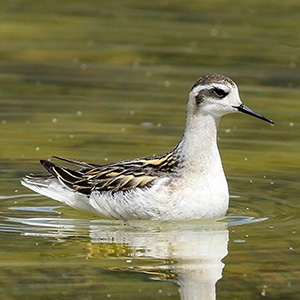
[(198, 148)]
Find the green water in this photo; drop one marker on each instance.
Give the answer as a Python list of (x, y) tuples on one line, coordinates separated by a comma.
[(103, 81)]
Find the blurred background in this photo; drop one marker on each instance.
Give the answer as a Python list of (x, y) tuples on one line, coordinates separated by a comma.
[(102, 81)]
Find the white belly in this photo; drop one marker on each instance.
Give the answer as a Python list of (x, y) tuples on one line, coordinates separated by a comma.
[(167, 199)]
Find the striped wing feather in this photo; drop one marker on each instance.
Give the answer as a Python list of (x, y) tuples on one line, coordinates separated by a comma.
[(121, 176)]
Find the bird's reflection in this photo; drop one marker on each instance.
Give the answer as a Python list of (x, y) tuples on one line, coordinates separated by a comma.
[(191, 250), (196, 247), (188, 252)]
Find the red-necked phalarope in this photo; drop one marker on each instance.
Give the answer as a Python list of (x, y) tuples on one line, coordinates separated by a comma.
[(186, 183)]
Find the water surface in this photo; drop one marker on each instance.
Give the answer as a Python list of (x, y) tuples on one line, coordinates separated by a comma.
[(106, 81)]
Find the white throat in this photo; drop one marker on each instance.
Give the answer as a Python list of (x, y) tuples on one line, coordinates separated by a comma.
[(198, 146)]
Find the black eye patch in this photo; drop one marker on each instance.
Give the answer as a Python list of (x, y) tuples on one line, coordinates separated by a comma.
[(219, 92)]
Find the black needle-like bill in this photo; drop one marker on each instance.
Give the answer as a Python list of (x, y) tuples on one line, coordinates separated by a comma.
[(244, 109)]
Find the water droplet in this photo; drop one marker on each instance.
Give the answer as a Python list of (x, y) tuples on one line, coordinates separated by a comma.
[(146, 124), (167, 83), (263, 293), (214, 32), (136, 64), (83, 66)]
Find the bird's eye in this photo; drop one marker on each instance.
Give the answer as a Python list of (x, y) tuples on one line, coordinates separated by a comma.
[(220, 93)]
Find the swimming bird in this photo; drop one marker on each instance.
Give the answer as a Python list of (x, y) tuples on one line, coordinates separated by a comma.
[(186, 183)]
